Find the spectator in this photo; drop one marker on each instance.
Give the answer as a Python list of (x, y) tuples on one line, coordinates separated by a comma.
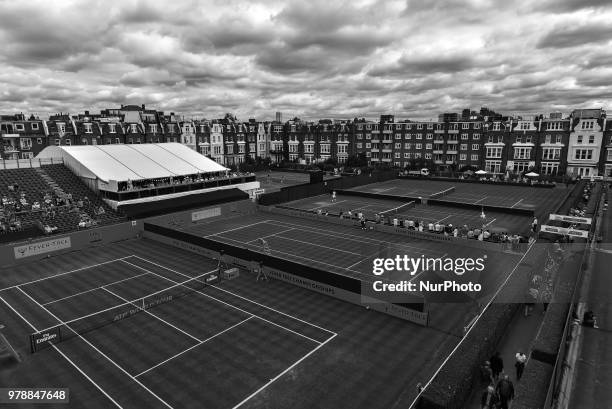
[(489, 398), (497, 365), (521, 359), (505, 391)]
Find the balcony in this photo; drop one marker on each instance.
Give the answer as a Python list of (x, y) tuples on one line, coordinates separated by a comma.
[(387, 150), (386, 159), (438, 162), (10, 149), (439, 131), (387, 131), (452, 141), (385, 140), (376, 140), (453, 131), (10, 135), (452, 152), (374, 150), (450, 162), (438, 151)]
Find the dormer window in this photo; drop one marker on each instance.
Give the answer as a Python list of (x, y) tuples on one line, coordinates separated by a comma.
[(87, 128), (153, 128), (134, 128), (111, 128)]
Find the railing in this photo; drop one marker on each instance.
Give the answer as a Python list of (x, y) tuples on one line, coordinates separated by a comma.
[(29, 163)]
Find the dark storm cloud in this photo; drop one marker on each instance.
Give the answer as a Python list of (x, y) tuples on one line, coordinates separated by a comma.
[(569, 36), (319, 58)]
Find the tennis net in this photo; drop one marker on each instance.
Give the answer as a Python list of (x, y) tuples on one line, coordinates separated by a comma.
[(69, 329), (442, 193), (398, 210)]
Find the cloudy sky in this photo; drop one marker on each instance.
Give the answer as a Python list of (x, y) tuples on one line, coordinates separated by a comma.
[(313, 59)]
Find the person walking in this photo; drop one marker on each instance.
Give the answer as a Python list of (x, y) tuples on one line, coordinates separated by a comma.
[(489, 398), (505, 391), (497, 365), (521, 359)]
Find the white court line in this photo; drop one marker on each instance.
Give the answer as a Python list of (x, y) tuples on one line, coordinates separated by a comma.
[(237, 228), (384, 190), (192, 347), (284, 372), (239, 296), (423, 271), (65, 357), (153, 315), (92, 289), (326, 205), (319, 245), (490, 223), (96, 349), (480, 200), (270, 235), (230, 305), (442, 219), (362, 260), (412, 405), (517, 203), (61, 274)]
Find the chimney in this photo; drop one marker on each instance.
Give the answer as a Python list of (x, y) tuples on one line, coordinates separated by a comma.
[(143, 107), (86, 113)]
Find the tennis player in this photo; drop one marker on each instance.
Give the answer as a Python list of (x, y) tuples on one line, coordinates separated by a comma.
[(333, 199)]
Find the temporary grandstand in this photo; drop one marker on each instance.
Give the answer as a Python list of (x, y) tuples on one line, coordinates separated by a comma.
[(130, 176)]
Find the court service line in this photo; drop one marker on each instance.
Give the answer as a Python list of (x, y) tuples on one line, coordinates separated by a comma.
[(444, 218), (92, 289), (270, 235), (480, 200), (237, 228), (284, 372), (327, 205), (192, 347), (153, 315), (230, 305), (97, 349), (319, 245), (65, 357), (61, 274), (516, 203), (240, 296)]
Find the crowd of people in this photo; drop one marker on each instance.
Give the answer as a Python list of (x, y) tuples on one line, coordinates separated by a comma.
[(131, 185), (45, 207), (499, 391)]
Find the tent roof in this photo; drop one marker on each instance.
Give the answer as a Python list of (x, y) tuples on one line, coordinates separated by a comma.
[(136, 162)]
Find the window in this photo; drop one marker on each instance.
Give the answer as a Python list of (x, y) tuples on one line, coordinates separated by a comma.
[(430, 126), (359, 136), (368, 136), (398, 155), (588, 124), (464, 136), (454, 127), (465, 125), (522, 153), (406, 155), (476, 136), (153, 128), (359, 145), (35, 126), (94, 141), (419, 136), (134, 128), (549, 168), (359, 127), (398, 136), (111, 128), (476, 125), (87, 128), (368, 145), (137, 140), (27, 155), (462, 156), (117, 141), (68, 142), (463, 147), (493, 166), (496, 126), (419, 126), (428, 156), (429, 136), (398, 146), (591, 138), (474, 157), (558, 139), (19, 127), (408, 136), (428, 146), (583, 154), (39, 141), (407, 146), (551, 153), (494, 152), (398, 126), (524, 126), (417, 155), (521, 167), (419, 146), (25, 143), (61, 128), (83, 141), (475, 146)]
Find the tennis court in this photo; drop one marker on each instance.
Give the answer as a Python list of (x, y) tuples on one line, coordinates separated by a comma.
[(457, 216), (541, 200), (273, 181), (382, 357), (148, 343)]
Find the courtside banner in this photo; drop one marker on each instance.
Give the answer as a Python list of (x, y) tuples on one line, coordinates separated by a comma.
[(565, 231), (42, 340), (571, 219), (33, 249), (205, 214)]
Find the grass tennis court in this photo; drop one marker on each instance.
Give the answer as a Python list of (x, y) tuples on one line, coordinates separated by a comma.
[(542, 200), (277, 180), (257, 344), (457, 216)]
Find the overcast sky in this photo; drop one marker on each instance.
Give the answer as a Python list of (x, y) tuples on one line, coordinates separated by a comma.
[(313, 59)]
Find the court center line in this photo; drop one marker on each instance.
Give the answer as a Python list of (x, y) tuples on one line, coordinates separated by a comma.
[(192, 347), (231, 305), (284, 372), (64, 273), (65, 357), (237, 228), (319, 245), (153, 315), (97, 350), (92, 289), (244, 298)]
